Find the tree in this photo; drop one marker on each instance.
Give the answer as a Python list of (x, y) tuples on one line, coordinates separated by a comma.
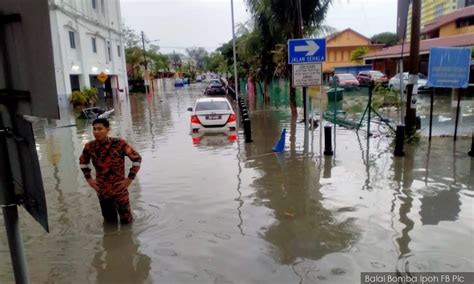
[(199, 54), (386, 38), (131, 38), (358, 53), (217, 63), (277, 21)]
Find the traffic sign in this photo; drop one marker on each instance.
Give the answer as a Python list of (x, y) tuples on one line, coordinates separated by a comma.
[(449, 67), (309, 50), (102, 77), (305, 75)]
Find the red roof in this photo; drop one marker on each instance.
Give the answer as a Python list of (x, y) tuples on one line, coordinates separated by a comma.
[(448, 18), (425, 45)]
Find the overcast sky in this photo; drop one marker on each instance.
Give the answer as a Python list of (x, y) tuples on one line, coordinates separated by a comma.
[(185, 23)]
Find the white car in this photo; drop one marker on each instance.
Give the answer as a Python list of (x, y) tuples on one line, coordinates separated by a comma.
[(212, 115), (394, 82)]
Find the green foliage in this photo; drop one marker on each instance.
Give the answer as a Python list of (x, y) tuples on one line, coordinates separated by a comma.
[(136, 57), (86, 97), (356, 55), (217, 63), (386, 38), (413, 138)]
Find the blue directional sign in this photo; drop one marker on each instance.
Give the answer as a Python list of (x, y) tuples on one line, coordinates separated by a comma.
[(449, 67), (308, 50)]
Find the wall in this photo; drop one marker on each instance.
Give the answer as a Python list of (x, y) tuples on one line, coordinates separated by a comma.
[(450, 30), (103, 24)]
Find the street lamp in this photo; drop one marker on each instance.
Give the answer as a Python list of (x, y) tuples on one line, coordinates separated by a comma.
[(235, 54)]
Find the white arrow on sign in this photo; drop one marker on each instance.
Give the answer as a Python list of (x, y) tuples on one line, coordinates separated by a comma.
[(311, 48)]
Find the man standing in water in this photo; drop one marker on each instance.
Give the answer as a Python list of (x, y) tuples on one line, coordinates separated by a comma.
[(107, 154)]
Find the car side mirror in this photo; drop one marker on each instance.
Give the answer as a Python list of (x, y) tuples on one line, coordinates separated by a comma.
[(190, 109)]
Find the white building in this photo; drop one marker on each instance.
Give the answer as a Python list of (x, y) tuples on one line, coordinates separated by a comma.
[(87, 40)]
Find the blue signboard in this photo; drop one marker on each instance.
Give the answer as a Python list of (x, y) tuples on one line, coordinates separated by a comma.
[(308, 50), (449, 67)]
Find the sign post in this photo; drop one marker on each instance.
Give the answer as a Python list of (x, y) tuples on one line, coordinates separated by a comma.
[(449, 68), (27, 87), (306, 56)]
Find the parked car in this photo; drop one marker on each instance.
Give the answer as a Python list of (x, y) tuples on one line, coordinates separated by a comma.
[(373, 76), (212, 115), (215, 87), (178, 83), (394, 82), (345, 80)]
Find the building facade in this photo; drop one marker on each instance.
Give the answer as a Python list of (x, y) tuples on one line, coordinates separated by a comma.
[(339, 47), (455, 29), (87, 41), (432, 9)]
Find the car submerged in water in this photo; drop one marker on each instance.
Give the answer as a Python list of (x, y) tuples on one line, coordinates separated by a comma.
[(345, 80), (216, 87), (212, 115), (394, 82)]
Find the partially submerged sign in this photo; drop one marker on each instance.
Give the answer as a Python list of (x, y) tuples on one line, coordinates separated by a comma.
[(305, 75), (449, 67), (26, 57)]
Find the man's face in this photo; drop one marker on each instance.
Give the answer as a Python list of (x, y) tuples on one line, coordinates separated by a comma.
[(100, 131)]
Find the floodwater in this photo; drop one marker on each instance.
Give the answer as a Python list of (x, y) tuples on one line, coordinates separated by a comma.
[(215, 210)]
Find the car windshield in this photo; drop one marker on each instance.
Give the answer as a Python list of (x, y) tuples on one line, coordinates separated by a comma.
[(346, 77), (376, 74), (422, 76), (215, 84), (212, 105)]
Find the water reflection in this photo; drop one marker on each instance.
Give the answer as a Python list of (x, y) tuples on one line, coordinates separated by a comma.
[(119, 259), (289, 185)]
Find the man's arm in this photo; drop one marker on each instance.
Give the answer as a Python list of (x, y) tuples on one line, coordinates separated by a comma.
[(84, 161), (136, 160)]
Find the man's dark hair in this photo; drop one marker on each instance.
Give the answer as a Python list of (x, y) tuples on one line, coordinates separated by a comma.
[(102, 121)]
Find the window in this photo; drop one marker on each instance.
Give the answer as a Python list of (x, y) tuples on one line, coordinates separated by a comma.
[(469, 3), (212, 105), (109, 51), (438, 10), (72, 40), (465, 22), (119, 51), (94, 4), (94, 45), (102, 6)]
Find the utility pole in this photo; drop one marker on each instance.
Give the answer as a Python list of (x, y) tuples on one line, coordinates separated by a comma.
[(236, 86), (412, 92), (305, 95), (146, 64)]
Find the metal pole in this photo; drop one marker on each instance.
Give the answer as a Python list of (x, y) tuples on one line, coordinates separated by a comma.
[(402, 92), (306, 128), (431, 113), (414, 67), (334, 109), (9, 208), (235, 53), (301, 35), (369, 109), (457, 114), (146, 64)]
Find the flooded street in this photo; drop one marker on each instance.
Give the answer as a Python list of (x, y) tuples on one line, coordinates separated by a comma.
[(214, 210)]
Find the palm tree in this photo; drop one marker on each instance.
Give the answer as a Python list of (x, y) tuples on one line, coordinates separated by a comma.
[(276, 21)]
